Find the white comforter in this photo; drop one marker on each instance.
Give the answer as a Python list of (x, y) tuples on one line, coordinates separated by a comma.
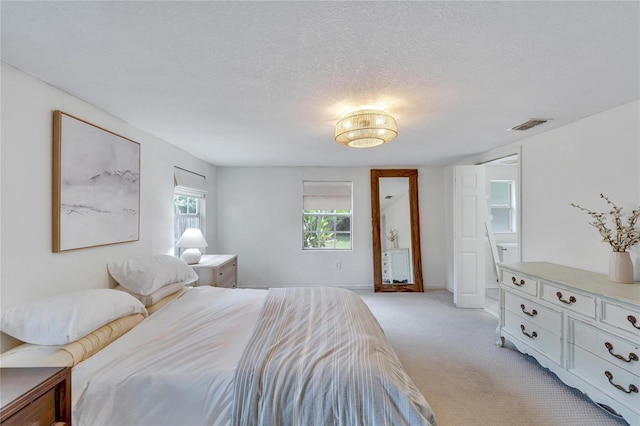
[(174, 368), (184, 364)]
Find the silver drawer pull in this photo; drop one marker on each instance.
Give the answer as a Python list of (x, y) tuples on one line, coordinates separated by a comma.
[(632, 356), (633, 321), (515, 282), (531, 314), (533, 334), (571, 301), (632, 388)]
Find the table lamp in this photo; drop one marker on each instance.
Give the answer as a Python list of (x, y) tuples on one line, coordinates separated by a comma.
[(191, 240)]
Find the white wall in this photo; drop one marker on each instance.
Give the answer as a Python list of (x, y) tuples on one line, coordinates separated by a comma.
[(573, 163), (29, 268), (260, 219), (576, 163)]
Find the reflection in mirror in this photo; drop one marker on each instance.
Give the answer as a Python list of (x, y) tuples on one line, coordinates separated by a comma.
[(396, 232), (395, 225)]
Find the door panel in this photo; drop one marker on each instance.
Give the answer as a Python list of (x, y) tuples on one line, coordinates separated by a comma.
[(469, 217)]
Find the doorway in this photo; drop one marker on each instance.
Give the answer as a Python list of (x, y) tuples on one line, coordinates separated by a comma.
[(486, 223), (502, 188)]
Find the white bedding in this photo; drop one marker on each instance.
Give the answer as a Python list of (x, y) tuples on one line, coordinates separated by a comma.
[(174, 368), (184, 364)]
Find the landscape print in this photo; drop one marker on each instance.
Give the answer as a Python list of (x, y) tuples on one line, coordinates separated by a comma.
[(99, 185)]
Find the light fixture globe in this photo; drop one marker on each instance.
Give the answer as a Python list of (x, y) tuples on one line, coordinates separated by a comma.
[(366, 127)]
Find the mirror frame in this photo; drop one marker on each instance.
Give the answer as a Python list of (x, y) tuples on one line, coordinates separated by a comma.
[(412, 174)]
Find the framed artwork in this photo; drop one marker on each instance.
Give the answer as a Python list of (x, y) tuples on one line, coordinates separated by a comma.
[(96, 185)]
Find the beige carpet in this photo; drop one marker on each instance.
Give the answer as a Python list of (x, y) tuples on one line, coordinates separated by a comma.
[(451, 356)]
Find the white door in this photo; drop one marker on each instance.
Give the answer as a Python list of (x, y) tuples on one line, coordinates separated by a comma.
[(469, 207)]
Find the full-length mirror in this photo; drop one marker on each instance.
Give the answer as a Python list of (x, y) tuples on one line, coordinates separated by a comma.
[(397, 262)]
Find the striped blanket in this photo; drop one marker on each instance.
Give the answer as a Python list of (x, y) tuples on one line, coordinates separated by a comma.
[(317, 356)]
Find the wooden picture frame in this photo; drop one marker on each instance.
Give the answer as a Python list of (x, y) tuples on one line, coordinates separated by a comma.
[(96, 185)]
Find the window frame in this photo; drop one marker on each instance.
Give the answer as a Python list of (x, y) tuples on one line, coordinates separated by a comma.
[(189, 185), (327, 214), (310, 189), (509, 207), (199, 216)]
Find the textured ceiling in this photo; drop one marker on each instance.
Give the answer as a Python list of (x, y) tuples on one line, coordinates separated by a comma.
[(263, 83)]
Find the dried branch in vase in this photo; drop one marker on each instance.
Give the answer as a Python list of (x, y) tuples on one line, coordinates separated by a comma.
[(625, 236)]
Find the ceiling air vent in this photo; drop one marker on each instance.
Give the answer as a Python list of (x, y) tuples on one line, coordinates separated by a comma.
[(529, 124)]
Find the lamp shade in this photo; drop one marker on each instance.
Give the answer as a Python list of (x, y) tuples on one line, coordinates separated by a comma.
[(366, 127), (191, 240)]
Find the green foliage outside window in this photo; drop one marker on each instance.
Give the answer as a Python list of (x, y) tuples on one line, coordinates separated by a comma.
[(187, 214), (327, 229), (185, 205)]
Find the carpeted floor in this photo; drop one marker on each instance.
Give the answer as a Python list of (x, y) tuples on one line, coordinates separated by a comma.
[(451, 356)]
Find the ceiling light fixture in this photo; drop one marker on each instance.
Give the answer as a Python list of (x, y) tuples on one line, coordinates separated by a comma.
[(365, 127)]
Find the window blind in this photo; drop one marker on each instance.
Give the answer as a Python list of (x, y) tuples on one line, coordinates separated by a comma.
[(188, 183), (326, 195)]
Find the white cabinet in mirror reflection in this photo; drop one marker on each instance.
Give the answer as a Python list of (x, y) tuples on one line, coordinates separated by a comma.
[(396, 266)]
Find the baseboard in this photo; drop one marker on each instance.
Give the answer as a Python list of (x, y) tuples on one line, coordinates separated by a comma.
[(367, 287), (364, 287)]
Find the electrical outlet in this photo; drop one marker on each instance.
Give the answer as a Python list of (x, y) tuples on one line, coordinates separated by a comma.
[(338, 264)]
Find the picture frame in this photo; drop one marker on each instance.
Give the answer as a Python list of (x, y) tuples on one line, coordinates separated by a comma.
[(96, 185)]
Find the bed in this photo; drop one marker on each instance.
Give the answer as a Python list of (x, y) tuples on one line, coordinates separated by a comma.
[(299, 356)]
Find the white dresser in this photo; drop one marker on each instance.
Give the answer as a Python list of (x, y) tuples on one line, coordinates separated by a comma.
[(580, 326), (396, 267), (218, 270)]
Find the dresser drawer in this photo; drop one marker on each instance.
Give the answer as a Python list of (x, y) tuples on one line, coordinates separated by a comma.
[(610, 348), (614, 381), (534, 312), (621, 317), (569, 299), (541, 339), (520, 282)]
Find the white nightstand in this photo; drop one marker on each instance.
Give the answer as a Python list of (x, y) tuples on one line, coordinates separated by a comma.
[(218, 270)]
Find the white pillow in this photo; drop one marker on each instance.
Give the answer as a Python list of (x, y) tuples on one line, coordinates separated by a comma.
[(67, 317), (146, 275), (157, 295)]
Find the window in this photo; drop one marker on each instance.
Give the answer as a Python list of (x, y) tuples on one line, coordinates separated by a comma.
[(187, 214), (188, 202), (502, 201), (326, 215)]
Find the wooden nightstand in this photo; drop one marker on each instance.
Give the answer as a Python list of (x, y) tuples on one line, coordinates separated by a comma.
[(218, 270), (35, 396)]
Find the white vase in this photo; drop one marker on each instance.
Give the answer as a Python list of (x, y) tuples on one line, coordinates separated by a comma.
[(621, 267)]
